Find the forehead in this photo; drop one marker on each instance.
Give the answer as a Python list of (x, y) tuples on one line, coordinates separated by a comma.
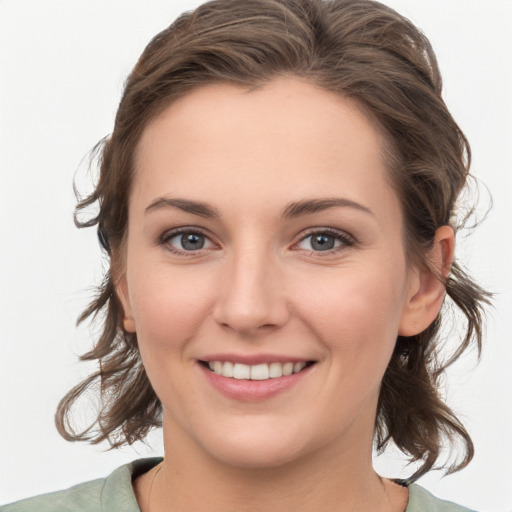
[(287, 138)]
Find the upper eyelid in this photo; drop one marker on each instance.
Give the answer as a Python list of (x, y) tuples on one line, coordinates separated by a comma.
[(170, 233), (167, 236), (338, 233), (346, 240), (326, 230)]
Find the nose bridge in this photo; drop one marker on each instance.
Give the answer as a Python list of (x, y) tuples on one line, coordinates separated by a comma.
[(251, 292)]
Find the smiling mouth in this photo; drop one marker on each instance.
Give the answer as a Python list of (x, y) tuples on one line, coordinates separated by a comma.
[(262, 371)]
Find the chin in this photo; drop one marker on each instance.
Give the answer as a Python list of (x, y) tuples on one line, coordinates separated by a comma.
[(258, 448), (246, 441), (254, 456)]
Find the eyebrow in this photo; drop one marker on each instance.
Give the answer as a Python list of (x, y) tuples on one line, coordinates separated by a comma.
[(295, 209), (308, 206), (195, 207)]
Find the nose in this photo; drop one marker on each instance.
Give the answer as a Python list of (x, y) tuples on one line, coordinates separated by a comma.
[(251, 294)]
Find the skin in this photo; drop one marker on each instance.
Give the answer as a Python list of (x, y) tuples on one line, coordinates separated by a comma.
[(259, 286)]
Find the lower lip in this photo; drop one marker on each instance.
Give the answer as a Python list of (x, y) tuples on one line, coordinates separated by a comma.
[(253, 390)]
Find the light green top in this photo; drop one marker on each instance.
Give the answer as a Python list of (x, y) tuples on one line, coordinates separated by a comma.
[(115, 494)]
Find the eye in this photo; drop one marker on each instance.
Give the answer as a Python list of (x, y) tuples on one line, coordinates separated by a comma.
[(187, 241), (324, 241)]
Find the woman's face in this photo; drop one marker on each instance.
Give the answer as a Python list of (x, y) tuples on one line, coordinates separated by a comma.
[(264, 238)]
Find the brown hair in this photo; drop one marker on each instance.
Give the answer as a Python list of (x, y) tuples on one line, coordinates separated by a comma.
[(360, 49)]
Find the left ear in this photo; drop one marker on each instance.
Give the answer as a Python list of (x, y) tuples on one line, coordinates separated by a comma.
[(427, 289)]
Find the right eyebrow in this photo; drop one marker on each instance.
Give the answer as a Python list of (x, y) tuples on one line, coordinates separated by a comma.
[(195, 207)]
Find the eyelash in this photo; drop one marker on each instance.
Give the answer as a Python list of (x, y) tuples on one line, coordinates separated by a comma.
[(169, 235), (345, 240)]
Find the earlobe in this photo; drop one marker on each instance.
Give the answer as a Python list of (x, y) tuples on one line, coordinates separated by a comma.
[(129, 324), (122, 293), (427, 288)]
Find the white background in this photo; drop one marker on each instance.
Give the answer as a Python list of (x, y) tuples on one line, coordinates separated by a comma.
[(62, 66)]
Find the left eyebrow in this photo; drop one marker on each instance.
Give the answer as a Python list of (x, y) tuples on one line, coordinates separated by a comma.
[(308, 206)]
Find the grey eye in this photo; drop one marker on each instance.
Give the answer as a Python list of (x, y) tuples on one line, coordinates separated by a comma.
[(190, 241), (320, 242)]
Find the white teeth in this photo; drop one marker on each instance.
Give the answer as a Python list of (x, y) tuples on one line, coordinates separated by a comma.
[(297, 367), (255, 372), (260, 372), (228, 369), (275, 370), (287, 369), (241, 371)]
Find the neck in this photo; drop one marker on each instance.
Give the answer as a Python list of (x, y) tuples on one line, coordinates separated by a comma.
[(188, 480)]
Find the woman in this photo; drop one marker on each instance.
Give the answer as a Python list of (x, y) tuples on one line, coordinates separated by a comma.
[(277, 200)]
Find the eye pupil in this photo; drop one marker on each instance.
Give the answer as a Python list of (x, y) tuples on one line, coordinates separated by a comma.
[(192, 241), (322, 242)]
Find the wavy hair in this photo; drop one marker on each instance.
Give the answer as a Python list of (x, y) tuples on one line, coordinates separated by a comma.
[(359, 49)]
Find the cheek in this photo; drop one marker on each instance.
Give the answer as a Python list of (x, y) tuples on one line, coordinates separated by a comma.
[(168, 306), (356, 311)]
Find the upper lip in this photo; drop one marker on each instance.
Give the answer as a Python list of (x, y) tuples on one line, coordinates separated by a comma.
[(254, 359)]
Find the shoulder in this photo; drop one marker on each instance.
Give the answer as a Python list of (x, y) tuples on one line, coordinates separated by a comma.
[(82, 497), (112, 493), (420, 500)]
